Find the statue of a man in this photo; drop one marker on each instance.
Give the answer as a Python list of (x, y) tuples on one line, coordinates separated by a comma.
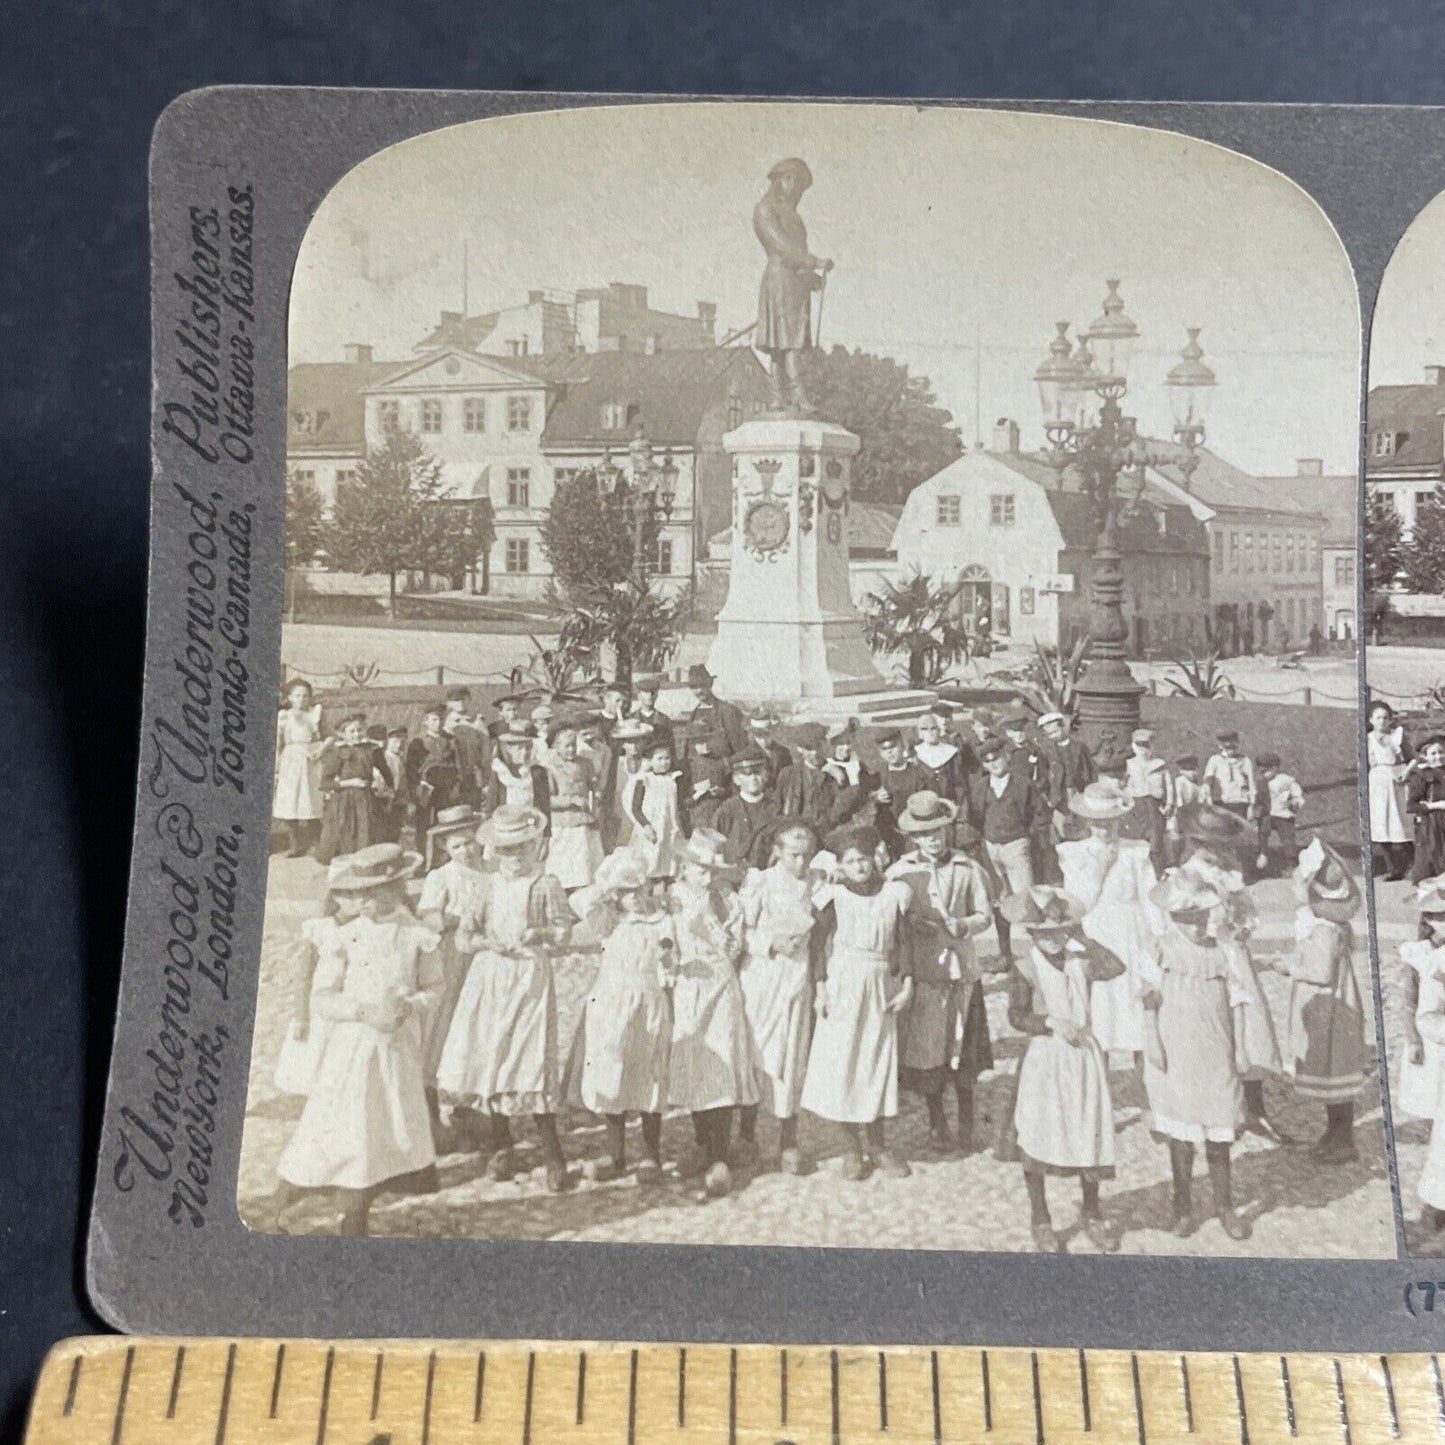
[(785, 298)]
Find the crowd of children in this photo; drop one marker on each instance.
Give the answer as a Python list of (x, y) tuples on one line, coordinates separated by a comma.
[(780, 929)]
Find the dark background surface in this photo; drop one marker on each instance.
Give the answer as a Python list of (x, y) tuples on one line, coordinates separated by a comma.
[(80, 86)]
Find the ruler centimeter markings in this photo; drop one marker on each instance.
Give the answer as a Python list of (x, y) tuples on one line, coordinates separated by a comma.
[(118, 1391)]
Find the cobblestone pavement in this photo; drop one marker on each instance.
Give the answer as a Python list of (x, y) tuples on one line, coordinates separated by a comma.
[(973, 1203)]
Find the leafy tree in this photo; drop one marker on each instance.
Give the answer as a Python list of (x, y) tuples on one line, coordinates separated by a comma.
[(304, 521), (906, 435), (467, 539), (1384, 544), (1423, 556), (587, 536), (394, 517), (914, 616)]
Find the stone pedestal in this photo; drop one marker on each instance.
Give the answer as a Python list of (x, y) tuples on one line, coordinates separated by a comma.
[(789, 629)]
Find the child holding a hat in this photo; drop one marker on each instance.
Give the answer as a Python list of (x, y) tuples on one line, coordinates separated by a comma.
[(1063, 1112), (776, 980), (1326, 1051), (1193, 1056), (365, 1126), (453, 889), (500, 1059), (626, 1030), (852, 1074), (943, 1033), (710, 1069)]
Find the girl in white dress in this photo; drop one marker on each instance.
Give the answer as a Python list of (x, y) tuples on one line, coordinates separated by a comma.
[(297, 799), (626, 1029), (365, 1124), (777, 983), (306, 1038), (500, 1058), (1063, 1113), (651, 806), (1389, 763), (450, 892), (1421, 1088), (852, 1074), (710, 1070), (575, 849), (1112, 877)]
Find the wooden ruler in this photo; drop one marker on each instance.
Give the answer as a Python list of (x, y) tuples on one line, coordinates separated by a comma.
[(119, 1391)]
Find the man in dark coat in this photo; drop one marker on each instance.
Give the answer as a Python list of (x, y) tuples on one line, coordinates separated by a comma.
[(711, 714), (805, 790), (1007, 811), (747, 818)]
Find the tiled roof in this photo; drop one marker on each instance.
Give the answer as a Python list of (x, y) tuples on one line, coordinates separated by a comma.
[(670, 391), (1223, 486), (1412, 413), (331, 393), (1337, 497), (466, 333)]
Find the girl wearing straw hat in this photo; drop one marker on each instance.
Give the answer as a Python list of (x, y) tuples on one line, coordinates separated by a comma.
[(943, 1033), (1193, 1057), (500, 1057), (1063, 1112), (1112, 877), (776, 980), (365, 1125), (1326, 1050), (306, 1038), (452, 890), (1420, 1091), (621, 1059), (852, 1074), (710, 1069)]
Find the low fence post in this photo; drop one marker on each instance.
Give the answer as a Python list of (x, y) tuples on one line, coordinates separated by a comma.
[(441, 676), (1309, 697)]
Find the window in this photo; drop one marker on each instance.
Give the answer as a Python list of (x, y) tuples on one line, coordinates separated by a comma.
[(560, 475), (1001, 510), (1289, 554), (474, 413), (1249, 551), (345, 476), (614, 416), (1314, 554), (305, 476), (1344, 571), (1174, 581), (735, 412), (664, 556), (388, 417), (431, 414), (519, 554), (517, 348), (950, 510), (1276, 553), (1383, 443), (519, 413), (1234, 551), (1217, 542), (519, 488), (1026, 601), (1423, 500)]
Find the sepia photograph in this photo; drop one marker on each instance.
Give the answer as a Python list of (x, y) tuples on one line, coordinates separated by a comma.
[(1404, 616), (820, 696)]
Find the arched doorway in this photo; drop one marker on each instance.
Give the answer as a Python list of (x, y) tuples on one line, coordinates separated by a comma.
[(979, 602)]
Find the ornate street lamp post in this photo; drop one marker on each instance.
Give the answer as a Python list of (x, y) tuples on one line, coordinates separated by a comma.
[(1080, 391), (645, 492)]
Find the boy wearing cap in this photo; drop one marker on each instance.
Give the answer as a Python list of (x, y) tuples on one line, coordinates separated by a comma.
[(509, 715), (898, 779), (1147, 781), (1022, 752), (1070, 767), (746, 819), (804, 789), (1281, 800), (853, 783), (1230, 779), (705, 778), (943, 1033), (646, 710), (760, 728), (1006, 811), (471, 743), (431, 771), (1188, 790)]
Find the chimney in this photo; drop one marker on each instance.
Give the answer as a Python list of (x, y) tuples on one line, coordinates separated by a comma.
[(1309, 467), (1435, 375), (1005, 435), (356, 351), (707, 314), (534, 297)]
